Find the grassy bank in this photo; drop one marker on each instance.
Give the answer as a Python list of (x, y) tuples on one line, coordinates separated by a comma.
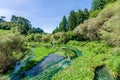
[(94, 54)]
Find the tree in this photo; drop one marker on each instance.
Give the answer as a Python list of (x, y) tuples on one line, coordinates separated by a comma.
[(2, 19), (109, 1), (13, 18), (98, 4), (72, 20), (80, 17), (56, 30), (24, 25), (64, 25), (86, 14)]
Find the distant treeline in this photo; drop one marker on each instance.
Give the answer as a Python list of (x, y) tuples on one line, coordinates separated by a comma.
[(18, 24)]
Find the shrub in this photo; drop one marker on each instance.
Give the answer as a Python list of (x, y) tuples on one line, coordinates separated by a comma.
[(46, 38), (107, 21), (10, 47), (60, 37), (94, 14), (89, 30), (70, 35), (37, 37)]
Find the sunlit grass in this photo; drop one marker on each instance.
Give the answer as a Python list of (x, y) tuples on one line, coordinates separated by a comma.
[(95, 53), (4, 31), (39, 53)]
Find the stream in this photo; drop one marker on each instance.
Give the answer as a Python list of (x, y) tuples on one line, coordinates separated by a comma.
[(43, 70), (52, 60)]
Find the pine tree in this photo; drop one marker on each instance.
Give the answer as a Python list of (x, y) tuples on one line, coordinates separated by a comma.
[(98, 4), (72, 20), (80, 17), (64, 24), (86, 14), (56, 30)]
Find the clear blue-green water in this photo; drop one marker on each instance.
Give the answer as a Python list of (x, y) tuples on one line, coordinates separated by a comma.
[(44, 69)]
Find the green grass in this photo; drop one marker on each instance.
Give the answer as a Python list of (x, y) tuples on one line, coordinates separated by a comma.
[(94, 54), (4, 32), (39, 53)]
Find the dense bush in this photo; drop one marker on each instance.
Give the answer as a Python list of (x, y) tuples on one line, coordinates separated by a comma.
[(70, 35), (7, 25), (94, 14), (60, 37), (111, 29), (105, 26), (46, 38), (11, 50), (89, 30), (39, 37)]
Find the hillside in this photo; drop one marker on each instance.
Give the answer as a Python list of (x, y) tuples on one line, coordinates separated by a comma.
[(105, 26), (100, 61)]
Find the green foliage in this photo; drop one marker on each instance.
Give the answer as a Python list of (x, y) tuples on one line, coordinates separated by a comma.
[(94, 54), (60, 37), (63, 26), (46, 38), (104, 26), (98, 4), (39, 38), (110, 29), (71, 42), (11, 50), (80, 17), (56, 30), (19, 25), (4, 77), (35, 30), (39, 53), (7, 25), (25, 24), (89, 29), (86, 14), (94, 14), (30, 37), (113, 64), (70, 35), (72, 20), (4, 32)]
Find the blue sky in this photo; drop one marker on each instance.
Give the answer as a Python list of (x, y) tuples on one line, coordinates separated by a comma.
[(45, 14)]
